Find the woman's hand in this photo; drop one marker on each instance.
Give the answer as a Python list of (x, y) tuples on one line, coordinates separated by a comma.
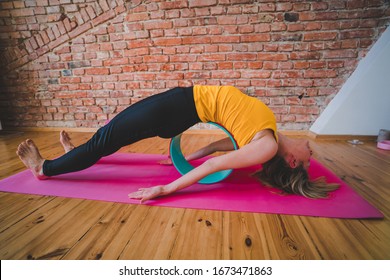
[(167, 161), (145, 194)]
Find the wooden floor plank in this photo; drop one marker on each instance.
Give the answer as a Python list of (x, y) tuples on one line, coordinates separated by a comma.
[(335, 240), (244, 237), (49, 232), (13, 208), (107, 238), (199, 236), (155, 236), (287, 240)]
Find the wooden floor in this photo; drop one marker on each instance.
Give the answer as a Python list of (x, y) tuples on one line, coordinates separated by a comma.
[(45, 227)]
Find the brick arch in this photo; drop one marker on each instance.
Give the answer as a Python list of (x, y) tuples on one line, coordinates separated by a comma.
[(66, 28)]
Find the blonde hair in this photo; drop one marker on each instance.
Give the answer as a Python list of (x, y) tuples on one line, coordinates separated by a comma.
[(277, 173)]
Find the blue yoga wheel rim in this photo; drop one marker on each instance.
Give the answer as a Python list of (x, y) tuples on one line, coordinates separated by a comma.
[(183, 166)]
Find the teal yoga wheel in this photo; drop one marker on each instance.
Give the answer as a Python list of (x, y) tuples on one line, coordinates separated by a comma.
[(183, 166)]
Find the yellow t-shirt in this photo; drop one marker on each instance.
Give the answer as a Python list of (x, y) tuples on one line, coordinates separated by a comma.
[(243, 116)]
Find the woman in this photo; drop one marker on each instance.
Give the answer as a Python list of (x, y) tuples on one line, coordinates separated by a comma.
[(168, 114)]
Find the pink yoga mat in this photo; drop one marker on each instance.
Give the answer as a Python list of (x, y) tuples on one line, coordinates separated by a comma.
[(113, 177)]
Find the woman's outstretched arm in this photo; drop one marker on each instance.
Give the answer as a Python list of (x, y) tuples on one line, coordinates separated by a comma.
[(256, 152), (222, 145)]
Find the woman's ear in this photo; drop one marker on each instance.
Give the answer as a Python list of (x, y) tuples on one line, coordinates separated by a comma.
[(292, 161)]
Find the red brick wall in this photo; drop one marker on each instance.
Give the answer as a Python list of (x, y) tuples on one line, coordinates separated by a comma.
[(75, 63)]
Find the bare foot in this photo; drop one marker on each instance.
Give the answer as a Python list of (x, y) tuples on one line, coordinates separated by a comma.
[(167, 161), (32, 159), (65, 141)]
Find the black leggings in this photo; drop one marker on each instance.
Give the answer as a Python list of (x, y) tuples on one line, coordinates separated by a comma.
[(166, 115)]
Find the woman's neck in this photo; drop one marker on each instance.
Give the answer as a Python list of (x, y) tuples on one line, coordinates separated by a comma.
[(283, 144)]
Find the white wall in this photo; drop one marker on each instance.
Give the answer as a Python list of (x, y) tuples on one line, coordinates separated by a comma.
[(362, 106)]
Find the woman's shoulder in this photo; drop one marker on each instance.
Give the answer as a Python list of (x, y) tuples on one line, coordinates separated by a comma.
[(264, 133)]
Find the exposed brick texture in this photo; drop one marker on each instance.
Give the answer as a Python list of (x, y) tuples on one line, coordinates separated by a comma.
[(77, 63)]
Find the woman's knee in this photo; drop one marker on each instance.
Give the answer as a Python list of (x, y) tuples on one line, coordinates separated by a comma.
[(98, 142)]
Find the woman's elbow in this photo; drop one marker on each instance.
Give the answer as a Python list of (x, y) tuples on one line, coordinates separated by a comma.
[(212, 165)]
